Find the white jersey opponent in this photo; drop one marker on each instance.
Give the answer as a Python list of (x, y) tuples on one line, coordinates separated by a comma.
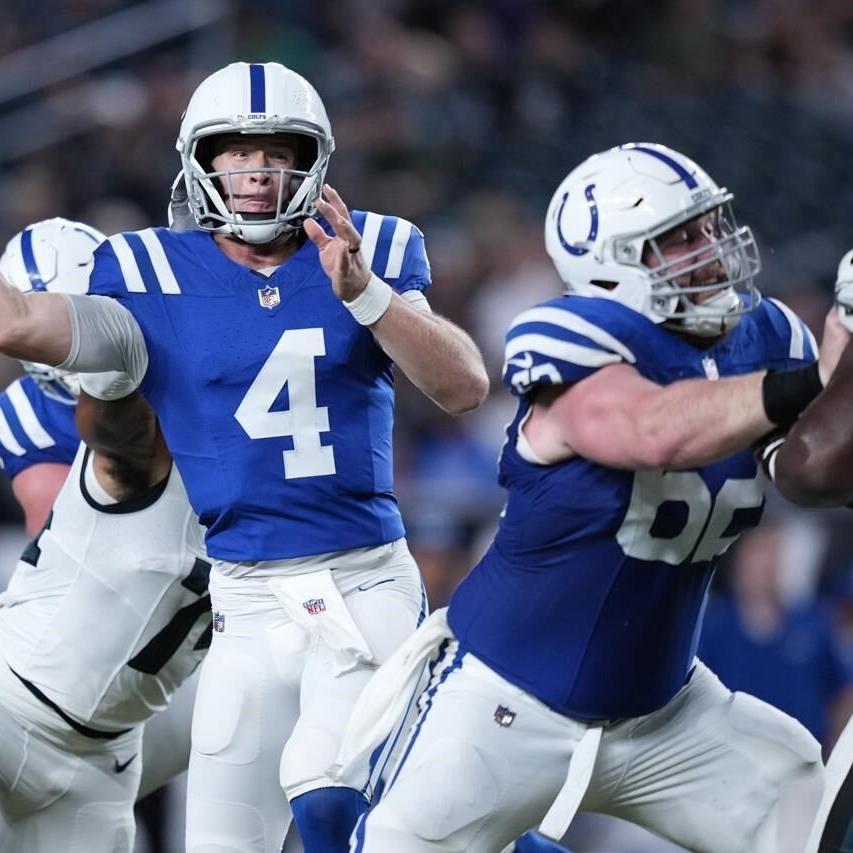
[(106, 614)]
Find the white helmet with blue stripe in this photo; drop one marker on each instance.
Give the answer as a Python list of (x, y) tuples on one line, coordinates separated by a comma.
[(254, 98), (603, 226), (56, 256)]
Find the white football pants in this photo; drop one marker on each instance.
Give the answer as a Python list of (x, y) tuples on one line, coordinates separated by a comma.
[(295, 641), (59, 789), (713, 771), (166, 739)]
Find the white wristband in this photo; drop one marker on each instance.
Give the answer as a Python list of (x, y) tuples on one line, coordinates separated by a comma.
[(372, 302)]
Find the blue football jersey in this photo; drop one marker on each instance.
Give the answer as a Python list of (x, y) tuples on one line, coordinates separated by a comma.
[(592, 592), (276, 405), (34, 428)]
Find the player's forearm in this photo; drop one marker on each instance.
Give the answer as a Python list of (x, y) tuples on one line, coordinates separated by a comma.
[(813, 476), (131, 455), (438, 357), (814, 466), (696, 422), (34, 326)]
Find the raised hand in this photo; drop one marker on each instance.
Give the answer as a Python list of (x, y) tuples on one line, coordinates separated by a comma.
[(340, 256), (835, 339)]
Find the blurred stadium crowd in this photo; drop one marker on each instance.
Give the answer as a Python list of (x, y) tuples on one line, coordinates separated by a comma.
[(463, 117)]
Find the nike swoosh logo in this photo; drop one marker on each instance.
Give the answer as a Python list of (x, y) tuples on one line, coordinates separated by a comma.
[(366, 586), (120, 768), (525, 362)]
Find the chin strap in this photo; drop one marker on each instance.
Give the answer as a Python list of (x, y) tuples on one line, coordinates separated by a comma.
[(714, 316)]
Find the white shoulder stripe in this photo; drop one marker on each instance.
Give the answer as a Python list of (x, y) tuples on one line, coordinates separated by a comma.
[(574, 323), (811, 339), (129, 268), (162, 268), (36, 433), (7, 438), (797, 348), (370, 236), (573, 353), (402, 233)]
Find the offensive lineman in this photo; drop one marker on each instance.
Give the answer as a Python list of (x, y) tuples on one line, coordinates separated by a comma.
[(268, 360), (565, 675)]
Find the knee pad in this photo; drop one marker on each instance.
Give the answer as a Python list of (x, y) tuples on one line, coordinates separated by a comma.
[(434, 803), (214, 826), (97, 827), (305, 760)]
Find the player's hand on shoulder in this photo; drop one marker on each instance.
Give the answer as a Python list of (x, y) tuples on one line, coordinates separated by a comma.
[(835, 338), (340, 255)]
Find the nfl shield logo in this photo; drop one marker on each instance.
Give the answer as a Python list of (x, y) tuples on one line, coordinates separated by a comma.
[(314, 605), (503, 716), (710, 368), (268, 297), (218, 622)]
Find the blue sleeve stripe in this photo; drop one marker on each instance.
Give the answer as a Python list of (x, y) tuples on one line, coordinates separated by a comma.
[(383, 243), (7, 438), (370, 237), (157, 255), (402, 234), (797, 343), (551, 348), (546, 330), (574, 323), (27, 417), (151, 281), (129, 268)]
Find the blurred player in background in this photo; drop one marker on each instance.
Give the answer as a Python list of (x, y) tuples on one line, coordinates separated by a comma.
[(74, 613), (38, 437), (265, 340), (812, 465), (567, 677)]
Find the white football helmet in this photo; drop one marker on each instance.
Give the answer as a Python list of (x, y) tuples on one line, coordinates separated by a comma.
[(254, 98), (55, 255), (616, 204), (844, 290)]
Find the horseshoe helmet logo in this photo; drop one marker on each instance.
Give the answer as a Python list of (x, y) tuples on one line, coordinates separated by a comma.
[(572, 249)]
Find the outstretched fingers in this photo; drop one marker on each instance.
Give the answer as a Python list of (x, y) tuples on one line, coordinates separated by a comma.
[(316, 234), (335, 211)]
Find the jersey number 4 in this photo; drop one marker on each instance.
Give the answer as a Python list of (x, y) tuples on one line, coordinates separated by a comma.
[(291, 365)]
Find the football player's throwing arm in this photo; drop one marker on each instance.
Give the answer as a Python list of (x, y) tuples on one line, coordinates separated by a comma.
[(86, 333)]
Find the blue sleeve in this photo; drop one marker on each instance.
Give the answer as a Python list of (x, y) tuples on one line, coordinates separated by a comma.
[(34, 428), (790, 340), (124, 271), (563, 341), (106, 278), (395, 250)]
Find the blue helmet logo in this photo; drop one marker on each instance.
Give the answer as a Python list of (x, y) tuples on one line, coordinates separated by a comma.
[(578, 251)]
